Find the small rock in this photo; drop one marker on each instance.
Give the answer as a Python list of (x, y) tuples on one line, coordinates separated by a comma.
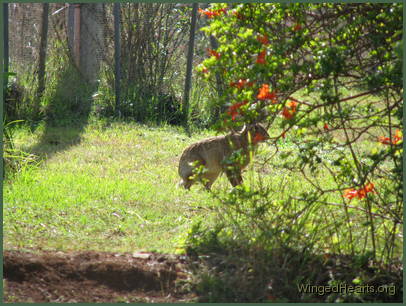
[(141, 255)]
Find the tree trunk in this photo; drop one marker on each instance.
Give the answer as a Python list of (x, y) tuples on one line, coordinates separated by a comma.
[(188, 79), (117, 57), (42, 58)]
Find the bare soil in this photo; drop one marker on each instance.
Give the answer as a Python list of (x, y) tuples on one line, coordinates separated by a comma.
[(94, 277), (50, 276)]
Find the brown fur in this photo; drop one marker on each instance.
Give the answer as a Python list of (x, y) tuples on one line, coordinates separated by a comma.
[(213, 154)]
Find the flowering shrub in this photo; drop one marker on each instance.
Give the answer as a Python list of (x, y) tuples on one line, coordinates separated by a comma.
[(331, 95)]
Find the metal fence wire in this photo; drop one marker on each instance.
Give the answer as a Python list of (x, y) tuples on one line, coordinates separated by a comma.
[(59, 44)]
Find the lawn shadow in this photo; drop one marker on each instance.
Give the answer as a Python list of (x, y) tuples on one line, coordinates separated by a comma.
[(238, 273), (67, 114), (56, 138)]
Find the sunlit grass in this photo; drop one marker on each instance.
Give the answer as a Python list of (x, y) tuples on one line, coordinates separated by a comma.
[(113, 187), (115, 190)]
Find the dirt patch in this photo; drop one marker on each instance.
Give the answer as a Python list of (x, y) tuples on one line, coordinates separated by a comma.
[(45, 276), (94, 277)]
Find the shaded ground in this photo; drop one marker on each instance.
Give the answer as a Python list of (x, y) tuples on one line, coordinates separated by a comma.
[(94, 277), (45, 276)]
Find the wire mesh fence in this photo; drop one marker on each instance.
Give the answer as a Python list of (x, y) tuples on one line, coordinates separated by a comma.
[(76, 45)]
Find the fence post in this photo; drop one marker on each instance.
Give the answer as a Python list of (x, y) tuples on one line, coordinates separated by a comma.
[(6, 48), (76, 35), (188, 79), (117, 56), (42, 57), (70, 26)]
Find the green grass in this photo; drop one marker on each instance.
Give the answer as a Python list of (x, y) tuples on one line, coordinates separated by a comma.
[(115, 190), (113, 187)]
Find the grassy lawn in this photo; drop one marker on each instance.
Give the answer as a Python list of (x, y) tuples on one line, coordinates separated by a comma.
[(114, 188)]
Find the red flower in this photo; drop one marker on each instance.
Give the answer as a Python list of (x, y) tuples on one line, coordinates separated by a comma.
[(325, 127), (208, 13), (292, 105), (238, 105), (289, 111), (212, 13), (370, 187), (264, 94), (233, 109), (387, 141), (297, 27), (263, 39), (384, 140), (397, 137), (233, 114), (258, 138), (360, 193), (350, 193), (213, 53), (241, 83), (261, 57)]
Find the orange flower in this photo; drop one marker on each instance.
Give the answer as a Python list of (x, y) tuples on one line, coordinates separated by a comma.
[(213, 53), (360, 193), (370, 187), (397, 137), (261, 57), (387, 141), (264, 94), (350, 193), (263, 39), (241, 83), (208, 13), (292, 105), (289, 111), (212, 13), (233, 110), (384, 140)]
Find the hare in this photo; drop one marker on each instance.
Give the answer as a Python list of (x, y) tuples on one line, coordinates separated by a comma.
[(229, 154)]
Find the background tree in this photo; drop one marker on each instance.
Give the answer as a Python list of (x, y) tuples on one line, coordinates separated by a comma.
[(42, 57)]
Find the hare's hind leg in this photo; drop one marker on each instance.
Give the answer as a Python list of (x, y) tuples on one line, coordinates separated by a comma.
[(234, 176)]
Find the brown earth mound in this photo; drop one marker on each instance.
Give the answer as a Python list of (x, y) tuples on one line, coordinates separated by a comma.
[(94, 277)]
